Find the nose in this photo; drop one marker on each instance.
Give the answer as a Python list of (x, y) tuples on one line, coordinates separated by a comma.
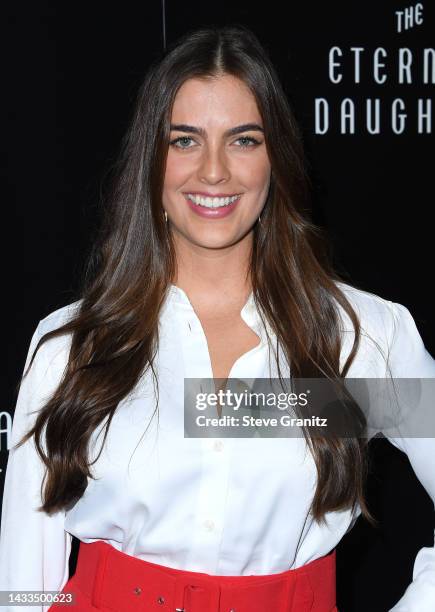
[(214, 166)]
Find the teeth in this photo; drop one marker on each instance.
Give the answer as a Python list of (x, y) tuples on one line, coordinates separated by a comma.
[(211, 202)]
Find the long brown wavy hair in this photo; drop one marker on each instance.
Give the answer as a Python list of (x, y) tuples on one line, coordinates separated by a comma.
[(114, 331)]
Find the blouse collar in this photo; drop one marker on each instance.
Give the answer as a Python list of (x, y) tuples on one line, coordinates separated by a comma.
[(249, 312)]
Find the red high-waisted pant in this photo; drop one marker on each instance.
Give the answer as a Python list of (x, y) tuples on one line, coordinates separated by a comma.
[(112, 581)]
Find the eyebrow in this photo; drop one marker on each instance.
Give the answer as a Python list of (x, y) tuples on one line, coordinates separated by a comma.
[(246, 127)]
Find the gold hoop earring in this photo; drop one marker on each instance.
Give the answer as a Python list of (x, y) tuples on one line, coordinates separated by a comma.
[(166, 217)]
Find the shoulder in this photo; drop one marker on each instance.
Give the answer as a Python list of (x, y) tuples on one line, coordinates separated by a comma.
[(390, 328), (54, 350), (59, 317), (376, 314)]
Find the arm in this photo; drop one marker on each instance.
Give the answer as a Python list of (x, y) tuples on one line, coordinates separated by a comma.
[(34, 547), (409, 359)]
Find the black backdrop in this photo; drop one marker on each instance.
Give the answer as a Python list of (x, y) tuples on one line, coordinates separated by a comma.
[(70, 75)]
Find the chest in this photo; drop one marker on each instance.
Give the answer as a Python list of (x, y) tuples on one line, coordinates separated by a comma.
[(228, 338)]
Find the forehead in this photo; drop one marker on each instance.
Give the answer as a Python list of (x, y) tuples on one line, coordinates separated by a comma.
[(222, 99)]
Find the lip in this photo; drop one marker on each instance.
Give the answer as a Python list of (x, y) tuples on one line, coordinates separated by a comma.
[(212, 213), (211, 195)]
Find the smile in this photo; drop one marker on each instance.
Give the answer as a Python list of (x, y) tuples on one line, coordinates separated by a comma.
[(211, 202)]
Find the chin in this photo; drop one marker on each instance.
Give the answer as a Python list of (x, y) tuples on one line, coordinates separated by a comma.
[(218, 240)]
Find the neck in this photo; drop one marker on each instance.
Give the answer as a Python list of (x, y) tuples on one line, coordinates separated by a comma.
[(214, 278)]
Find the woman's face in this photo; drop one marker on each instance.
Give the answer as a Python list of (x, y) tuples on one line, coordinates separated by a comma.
[(206, 160)]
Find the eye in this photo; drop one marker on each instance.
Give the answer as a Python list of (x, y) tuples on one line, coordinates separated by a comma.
[(253, 141), (248, 141), (179, 140)]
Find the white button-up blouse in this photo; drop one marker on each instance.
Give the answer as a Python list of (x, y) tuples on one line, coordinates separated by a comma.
[(227, 506)]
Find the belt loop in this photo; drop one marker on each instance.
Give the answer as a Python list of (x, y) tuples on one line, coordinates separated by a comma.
[(211, 593), (287, 602), (103, 553), (303, 597), (179, 594)]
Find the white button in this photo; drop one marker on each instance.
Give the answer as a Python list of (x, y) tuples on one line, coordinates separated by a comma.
[(218, 446), (209, 525)]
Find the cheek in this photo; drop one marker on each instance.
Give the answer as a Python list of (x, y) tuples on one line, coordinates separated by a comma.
[(255, 174), (176, 172)]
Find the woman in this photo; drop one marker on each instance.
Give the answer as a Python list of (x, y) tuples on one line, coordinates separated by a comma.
[(206, 268)]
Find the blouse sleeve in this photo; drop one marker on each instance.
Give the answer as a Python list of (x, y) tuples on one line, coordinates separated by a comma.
[(408, 358), (34, 547)]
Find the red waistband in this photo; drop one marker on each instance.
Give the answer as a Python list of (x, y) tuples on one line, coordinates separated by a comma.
[(118, 581)]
